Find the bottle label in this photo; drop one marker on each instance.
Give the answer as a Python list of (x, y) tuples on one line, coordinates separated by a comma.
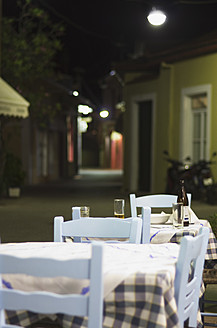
[(186, 214)]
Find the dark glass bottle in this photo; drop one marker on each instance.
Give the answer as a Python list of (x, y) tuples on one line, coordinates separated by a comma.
[(183, 198)]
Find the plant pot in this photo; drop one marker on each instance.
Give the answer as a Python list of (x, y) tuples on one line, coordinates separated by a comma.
[(14, 192)]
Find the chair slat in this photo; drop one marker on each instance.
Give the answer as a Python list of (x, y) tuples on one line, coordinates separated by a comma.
[(52, 303), (98, 228), (49, 267)]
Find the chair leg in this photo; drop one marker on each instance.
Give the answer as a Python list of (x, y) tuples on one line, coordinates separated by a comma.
[(201, 305), (209, 278), (205, 315)]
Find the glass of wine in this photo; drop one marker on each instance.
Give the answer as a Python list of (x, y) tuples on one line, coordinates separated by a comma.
[(119, 208)]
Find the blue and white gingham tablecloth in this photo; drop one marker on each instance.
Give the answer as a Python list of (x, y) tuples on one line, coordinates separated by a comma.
[(139, 283)]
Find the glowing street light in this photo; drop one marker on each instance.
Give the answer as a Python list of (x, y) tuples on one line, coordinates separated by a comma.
[(83, 126), (84, 109), (156, 17), (104, 113), (75, 93)]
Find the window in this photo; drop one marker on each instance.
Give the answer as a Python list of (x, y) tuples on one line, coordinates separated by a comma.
[(199, 122), (195, 123)]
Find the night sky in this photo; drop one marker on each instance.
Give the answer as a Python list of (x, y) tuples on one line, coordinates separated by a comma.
[(101, 32)]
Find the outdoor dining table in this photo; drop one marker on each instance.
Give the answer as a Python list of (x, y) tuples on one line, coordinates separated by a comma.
[(138, 283), (166, 233)]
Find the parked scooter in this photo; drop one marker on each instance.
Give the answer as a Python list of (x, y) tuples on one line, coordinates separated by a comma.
[(205, 186), (198, 178), (177, 171)]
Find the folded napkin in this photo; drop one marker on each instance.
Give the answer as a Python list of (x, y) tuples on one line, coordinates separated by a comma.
[(161, 235)]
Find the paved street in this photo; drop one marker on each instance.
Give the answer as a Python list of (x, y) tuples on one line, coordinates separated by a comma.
[(30, 217)]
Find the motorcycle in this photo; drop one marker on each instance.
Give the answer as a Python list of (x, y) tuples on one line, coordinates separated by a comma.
[(198, 178), (205, 186), (177, 171)]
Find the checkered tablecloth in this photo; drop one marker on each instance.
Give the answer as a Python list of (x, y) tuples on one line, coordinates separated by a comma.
[(143, 292), (166, 233)]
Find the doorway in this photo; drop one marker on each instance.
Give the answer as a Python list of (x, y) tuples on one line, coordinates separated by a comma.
[(145, 123)]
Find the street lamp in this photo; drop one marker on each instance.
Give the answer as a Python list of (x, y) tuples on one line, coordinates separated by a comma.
[(104, 113), (156, 17), (75, 93), (85, 109)]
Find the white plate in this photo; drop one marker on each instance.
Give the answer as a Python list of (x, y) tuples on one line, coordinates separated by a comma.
[(159, 218)]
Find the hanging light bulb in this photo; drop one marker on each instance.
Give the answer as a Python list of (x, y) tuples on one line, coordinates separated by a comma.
[(156, 17)]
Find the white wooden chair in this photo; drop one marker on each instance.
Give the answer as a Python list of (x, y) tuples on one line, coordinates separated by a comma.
[(90, 305), (113, 228), (187, 287), (147, 202), (153, 201)]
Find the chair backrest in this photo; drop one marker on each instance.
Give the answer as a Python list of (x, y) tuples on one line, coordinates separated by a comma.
[(187, 286), (156, 201), (89, 304), (98, 228)]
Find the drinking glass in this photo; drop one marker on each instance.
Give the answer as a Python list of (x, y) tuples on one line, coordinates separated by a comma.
[(178, 215), (85, 211), (119, 208), (81, 211)]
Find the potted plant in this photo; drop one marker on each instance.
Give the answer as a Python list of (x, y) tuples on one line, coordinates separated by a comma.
[(14, 175)]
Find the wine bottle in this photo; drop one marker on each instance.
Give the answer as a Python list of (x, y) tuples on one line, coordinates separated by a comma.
[(183, 198)]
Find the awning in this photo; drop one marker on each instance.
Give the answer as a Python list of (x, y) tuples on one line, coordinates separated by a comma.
[(11, 102)]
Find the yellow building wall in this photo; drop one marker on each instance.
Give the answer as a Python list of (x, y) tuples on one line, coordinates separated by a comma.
[(161, 88), (191, 73), (168, 89)]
